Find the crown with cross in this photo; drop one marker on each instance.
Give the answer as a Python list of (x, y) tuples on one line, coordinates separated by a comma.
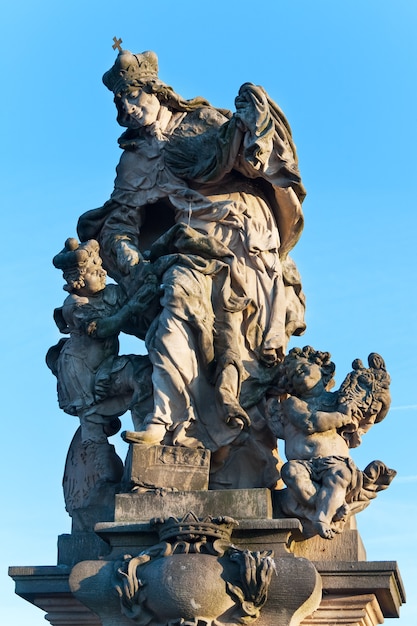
[(130, 69)]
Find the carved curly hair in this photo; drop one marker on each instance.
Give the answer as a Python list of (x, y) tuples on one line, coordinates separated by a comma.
[(322, 359)]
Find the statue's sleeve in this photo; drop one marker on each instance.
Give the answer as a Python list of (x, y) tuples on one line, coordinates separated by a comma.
[(90, 223), (268, 149)]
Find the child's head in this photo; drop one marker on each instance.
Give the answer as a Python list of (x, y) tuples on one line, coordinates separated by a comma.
[(303, 368), (81, 267)]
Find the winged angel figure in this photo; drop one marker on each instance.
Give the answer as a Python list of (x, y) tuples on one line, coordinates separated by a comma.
[(324, 486)]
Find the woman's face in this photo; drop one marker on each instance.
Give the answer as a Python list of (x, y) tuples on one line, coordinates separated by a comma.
[(140, 108)]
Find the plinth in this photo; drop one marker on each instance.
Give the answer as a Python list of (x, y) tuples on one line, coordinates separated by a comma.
[(207, 558)]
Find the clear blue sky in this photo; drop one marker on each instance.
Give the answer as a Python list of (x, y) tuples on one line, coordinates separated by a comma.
[(345, 74)]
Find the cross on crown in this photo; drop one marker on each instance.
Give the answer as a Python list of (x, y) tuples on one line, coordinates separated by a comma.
[(116, 45)]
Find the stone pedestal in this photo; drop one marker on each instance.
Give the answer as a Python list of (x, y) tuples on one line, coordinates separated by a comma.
[(206, 558), (346, 599), (294, 593), (167, 467)]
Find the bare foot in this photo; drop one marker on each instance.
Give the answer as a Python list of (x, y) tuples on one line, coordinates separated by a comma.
[(341, 513), (324, 530)]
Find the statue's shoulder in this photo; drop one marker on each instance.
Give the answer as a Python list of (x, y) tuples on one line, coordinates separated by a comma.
[(113, 295), (201, 120), (74, 300)]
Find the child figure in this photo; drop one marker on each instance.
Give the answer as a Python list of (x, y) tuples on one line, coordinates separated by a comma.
[(94, 382), (321, 478)]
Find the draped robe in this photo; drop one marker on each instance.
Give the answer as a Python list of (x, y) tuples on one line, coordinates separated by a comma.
[(215, 200)]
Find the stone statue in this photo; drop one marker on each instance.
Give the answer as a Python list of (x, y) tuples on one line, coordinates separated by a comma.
[(94, 382), (206, 207), (196, 236), (212, 200), (324, 486)]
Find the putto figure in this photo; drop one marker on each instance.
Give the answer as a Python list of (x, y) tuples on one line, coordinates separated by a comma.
[(213, 200), (324, 486), (94, 382)]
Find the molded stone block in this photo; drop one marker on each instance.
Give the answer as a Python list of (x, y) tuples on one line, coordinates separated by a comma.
[(80, 547), (237, 503), (381, 578), (347, 546), (170, 467), (360, 610)]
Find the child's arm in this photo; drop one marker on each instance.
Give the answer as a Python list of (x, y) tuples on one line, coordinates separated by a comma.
[(108, 326), (300, 414), (128, 316), (323, 421)]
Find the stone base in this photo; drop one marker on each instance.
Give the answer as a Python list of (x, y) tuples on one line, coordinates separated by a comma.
[(80, 547), (345, 547), (361, 610), (331, 584), (294, 592), (238, 503), (317, 582), (167, 467), (380, 578), (353, 595), (47, 587), (139, 508)]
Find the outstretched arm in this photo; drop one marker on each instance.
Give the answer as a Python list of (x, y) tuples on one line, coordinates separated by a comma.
[(108, 326), (129, 318)]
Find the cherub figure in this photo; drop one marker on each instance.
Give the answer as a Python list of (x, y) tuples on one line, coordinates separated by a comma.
[(324, 486), (94, 382)]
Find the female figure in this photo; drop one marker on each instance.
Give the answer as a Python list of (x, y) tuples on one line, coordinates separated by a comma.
[(214, 201)]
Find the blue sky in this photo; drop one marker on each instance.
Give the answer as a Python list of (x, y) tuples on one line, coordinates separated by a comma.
[(345, 75)]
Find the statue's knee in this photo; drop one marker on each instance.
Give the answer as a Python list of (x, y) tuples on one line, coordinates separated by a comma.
[(290, 471)]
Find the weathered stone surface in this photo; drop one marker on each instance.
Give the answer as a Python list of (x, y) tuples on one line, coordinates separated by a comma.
[(93, 381), (346, 547), (293, 591), (215, 196), (169, 467), (351, 590), (237, 503), (343, 610), (204, 576), (91, 583), (78, 546), (255, 535), (205, 209), (47, 587), (354, 594), (381, 578)]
